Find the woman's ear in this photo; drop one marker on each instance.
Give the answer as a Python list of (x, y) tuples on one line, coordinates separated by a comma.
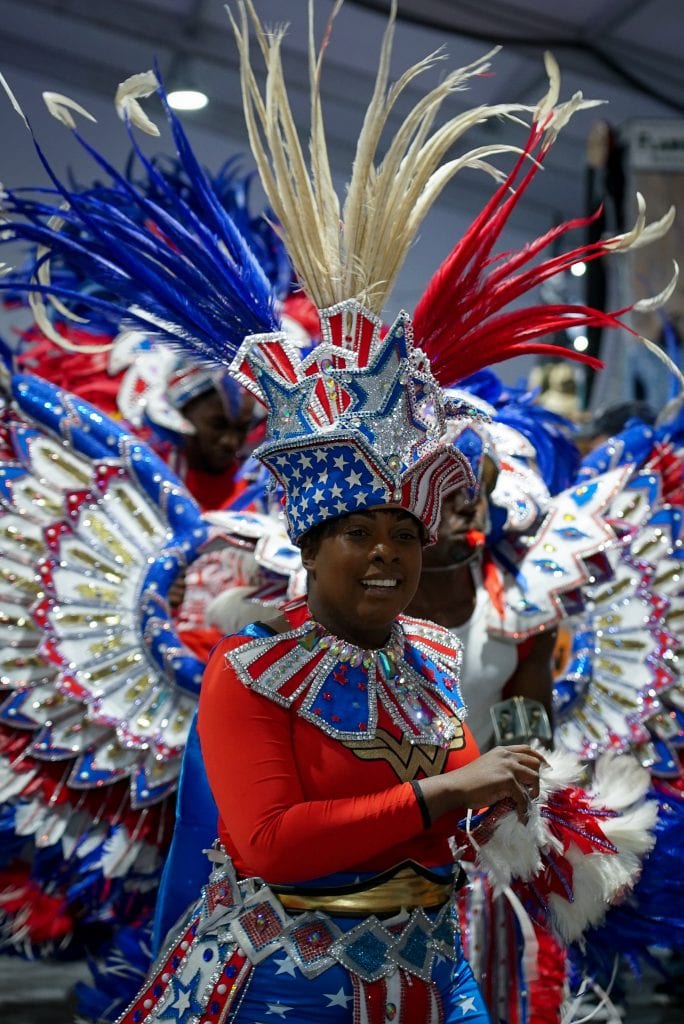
[(309, 556), (490, 474)]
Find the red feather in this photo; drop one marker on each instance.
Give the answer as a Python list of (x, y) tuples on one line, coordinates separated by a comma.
[(458, 321)]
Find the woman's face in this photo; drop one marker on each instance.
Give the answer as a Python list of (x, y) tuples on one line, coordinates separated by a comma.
[(363, 573)]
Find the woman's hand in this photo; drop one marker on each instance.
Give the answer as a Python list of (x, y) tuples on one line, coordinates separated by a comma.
[(502, 773)]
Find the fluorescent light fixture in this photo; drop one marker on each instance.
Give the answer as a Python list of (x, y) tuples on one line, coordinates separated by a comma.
[(578, 269), (187, 99)]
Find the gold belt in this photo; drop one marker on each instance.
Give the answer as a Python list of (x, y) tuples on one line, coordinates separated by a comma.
[(406, 889)]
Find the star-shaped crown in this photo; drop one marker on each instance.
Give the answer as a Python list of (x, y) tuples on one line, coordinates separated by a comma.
[(358, 422)]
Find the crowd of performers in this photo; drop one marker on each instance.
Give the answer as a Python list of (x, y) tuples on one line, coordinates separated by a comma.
[(336, 686)]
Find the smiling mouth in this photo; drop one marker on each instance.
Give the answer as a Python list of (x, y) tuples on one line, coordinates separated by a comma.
[(379, 584)]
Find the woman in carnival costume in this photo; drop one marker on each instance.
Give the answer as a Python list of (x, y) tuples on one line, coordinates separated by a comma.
[(353, 391)]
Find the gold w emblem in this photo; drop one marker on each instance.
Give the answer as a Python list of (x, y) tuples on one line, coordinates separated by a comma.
[(406, 759)]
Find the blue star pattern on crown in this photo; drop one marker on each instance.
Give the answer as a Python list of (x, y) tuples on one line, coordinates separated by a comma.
[(332, 473), (356, 423)]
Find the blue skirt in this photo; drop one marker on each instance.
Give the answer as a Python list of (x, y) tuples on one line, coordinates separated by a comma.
[(240, 958)]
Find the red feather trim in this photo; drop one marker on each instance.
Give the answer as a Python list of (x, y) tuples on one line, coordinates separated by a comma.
[(547, 991), (36, 916), (458, 322)]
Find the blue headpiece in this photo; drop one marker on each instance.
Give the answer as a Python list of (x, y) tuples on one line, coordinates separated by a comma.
[(359, 422)]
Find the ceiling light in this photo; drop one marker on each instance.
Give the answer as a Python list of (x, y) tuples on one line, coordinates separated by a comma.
[(187, 99), (578, 269), (580, 343)]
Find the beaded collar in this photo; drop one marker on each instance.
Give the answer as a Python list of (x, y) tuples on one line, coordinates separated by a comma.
[(338, 686)]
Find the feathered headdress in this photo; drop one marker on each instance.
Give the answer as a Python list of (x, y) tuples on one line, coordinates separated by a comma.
[(145, 382), (347, 257)]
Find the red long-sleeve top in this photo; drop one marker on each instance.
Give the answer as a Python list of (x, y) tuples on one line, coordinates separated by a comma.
[(295, 804)]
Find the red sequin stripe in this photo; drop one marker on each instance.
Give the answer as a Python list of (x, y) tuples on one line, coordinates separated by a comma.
[(436, 1008), (357, 986), (364, 337), (328, 406), (511, 967), (157, 986), (374, 994), (244, 369), (227, 989), (275, 354), (463, 911), (437, 481), (488, 962), (416, 1002), (336, 328), (416, 636)]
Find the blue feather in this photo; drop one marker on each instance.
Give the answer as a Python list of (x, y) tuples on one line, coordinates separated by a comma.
[(118, 977), (550, 434), (653, 914), (174, 252)]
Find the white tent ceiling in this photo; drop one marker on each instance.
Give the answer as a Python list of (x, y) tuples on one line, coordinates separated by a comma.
[(625, 51)]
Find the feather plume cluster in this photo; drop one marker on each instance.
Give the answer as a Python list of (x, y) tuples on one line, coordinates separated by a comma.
[(185, 273), (559, 841), (463, 320), (172, 262), (355, 249)]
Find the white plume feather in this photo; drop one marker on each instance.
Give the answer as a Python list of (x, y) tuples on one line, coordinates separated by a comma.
[(656, 301), (60, 107), (13, 99), (126, 100), (513, 849)]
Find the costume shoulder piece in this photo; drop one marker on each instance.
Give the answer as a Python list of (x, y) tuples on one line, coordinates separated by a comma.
[(619, 687), (548, 575), (339, 687)]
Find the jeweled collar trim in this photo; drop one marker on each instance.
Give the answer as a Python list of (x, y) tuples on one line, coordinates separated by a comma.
[(338, 686)]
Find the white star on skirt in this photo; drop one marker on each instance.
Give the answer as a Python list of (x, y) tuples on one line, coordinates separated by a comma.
[(466, 1005), (286, 966), (182, 1002), (338, 999)]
